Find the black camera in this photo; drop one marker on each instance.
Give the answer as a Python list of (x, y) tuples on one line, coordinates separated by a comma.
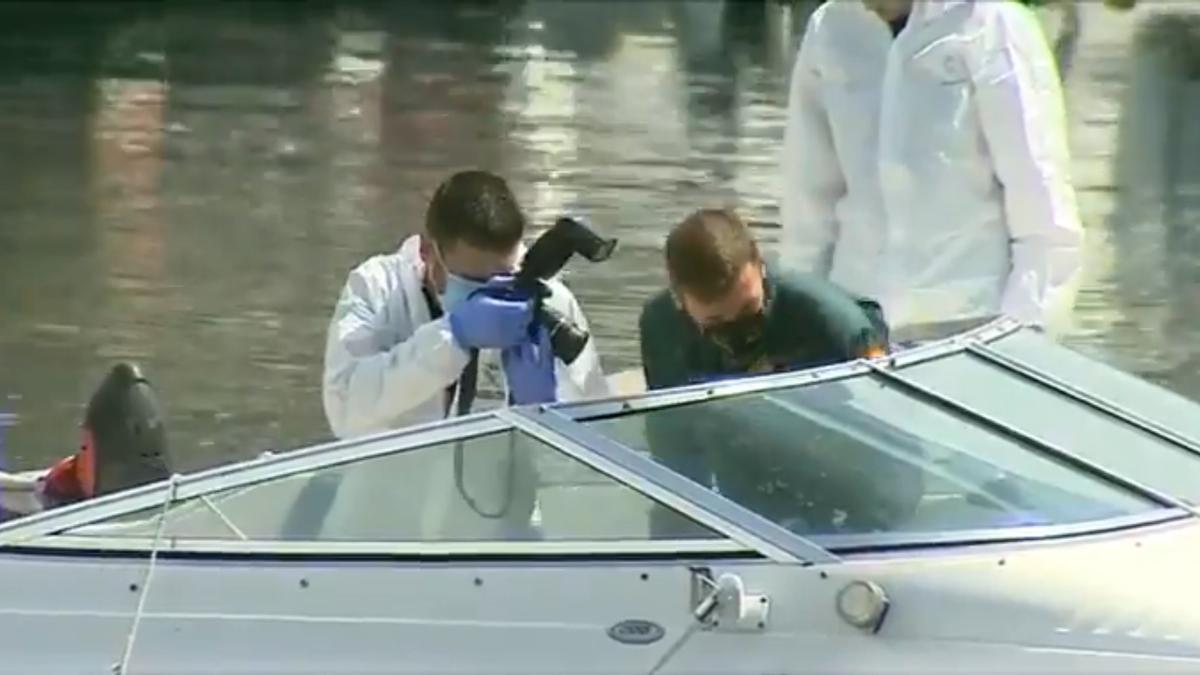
[(544, 259)]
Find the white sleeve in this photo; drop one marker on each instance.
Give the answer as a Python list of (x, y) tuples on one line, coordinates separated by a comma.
[(1024, 122), (584, 378), (812, 176), (367, 383)]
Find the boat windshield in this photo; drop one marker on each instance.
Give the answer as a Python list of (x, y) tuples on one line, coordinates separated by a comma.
[(498, 487), (980, 439), (861, 457), (1134, 394), (1069, 423)]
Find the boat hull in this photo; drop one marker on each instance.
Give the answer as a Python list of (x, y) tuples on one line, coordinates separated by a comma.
[(1103, 604)]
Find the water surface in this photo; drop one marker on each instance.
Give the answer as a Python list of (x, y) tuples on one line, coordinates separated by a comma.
[(187, 186)]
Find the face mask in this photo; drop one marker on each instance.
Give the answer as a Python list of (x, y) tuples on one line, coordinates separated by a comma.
[(457, 290), (742, 337)]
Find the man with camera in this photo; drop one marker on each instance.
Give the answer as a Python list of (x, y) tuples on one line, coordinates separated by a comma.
[(420, 334)]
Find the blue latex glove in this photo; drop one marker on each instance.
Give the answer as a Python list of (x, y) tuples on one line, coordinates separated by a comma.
[(493, 317), (529, 369)]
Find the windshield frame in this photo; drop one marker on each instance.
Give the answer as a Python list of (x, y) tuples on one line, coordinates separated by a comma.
[(612, 406), (852, 544)]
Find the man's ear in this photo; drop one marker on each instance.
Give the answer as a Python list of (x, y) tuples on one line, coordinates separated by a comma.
[(762, 267), (426, 248), (435, 274)]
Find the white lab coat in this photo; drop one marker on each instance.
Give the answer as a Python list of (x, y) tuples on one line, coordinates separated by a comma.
[(931, 170), (387, 365)]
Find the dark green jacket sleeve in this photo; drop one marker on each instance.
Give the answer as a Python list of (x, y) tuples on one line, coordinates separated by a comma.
[(669, 434), (664, 359), (858, 328), (847, 326), (881, 334)]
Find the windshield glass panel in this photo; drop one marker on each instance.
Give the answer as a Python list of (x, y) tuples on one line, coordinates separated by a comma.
[(1153, 402), (859, 457), (1064, 422), (505, 486)]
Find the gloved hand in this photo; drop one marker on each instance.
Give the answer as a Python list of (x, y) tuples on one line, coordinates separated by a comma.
[(494, 317), (529, 369)]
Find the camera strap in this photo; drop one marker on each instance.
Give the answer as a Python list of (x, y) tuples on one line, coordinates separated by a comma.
[(467, 384), (468, 381)]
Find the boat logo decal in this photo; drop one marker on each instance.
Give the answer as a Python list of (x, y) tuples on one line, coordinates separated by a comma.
[(636, 632)]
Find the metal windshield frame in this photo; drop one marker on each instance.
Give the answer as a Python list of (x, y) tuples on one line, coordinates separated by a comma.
[(618, 405)]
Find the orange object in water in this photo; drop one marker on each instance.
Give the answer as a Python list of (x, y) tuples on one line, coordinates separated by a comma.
[(85, 464), (61, 484), (73, 478)]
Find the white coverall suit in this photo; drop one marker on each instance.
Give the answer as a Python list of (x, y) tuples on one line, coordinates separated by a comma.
[(930, 170), (387, 366)]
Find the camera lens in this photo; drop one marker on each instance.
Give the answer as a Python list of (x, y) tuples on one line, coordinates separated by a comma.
[(567, 339)]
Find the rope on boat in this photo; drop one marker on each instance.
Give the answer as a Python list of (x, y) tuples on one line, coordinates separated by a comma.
[(122, 667), (237, 531)]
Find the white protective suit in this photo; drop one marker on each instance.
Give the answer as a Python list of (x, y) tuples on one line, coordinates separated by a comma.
[(387, 365), (931, 170)]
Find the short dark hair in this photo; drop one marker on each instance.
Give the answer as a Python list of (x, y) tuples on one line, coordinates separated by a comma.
[(475, 207), (707, 251)]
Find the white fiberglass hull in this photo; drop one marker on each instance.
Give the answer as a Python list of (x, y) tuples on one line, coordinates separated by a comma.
[(1115, 603)]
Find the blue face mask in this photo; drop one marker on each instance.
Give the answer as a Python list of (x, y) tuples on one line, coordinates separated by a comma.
[(457, 290)]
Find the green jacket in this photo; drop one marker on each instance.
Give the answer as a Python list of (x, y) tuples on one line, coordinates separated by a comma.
[(776, 464), (810, 322)]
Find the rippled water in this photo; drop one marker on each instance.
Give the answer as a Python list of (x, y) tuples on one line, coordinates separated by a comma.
[(188, 187)]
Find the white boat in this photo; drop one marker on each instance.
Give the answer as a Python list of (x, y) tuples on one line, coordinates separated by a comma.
[(991, 503)]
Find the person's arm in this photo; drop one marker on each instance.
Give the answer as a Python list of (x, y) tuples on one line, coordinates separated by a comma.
[(848, 326), (875, 339), (1022, 113), (670, 438), (813, 182), (366, 384), (663, 361)]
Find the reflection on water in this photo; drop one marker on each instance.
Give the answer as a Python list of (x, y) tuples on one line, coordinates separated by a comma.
[(188, 186), (1141, 196)]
